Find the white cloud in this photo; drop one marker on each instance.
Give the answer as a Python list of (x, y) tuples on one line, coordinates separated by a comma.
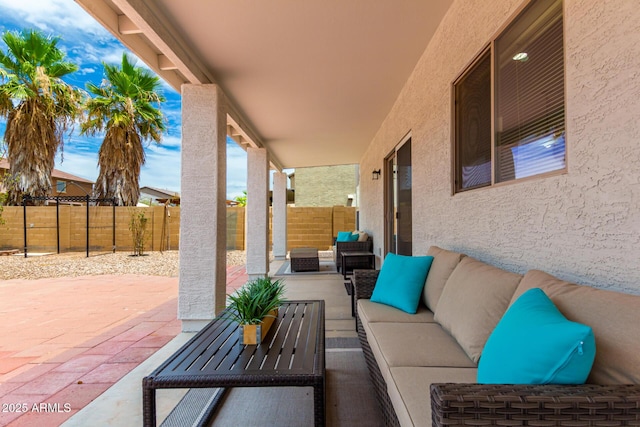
[(236, 171), (170, 141), (172, 111), (166, 87), (90, 52), (79, 164), (161, 170), (59, 16)]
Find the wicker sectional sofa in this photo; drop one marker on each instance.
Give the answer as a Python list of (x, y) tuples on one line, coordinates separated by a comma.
[(424, 366)]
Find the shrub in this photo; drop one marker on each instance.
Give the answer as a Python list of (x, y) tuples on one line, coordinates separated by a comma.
[(138, 228)]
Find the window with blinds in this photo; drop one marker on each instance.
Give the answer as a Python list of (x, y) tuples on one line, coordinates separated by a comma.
[(528, 98)]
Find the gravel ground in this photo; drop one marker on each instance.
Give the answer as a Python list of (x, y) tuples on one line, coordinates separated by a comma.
[(77, 264)]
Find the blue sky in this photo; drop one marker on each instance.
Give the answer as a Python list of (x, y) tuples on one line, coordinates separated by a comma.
[(88, 44)]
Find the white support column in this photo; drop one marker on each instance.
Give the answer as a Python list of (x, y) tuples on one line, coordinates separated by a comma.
[(257, 213), (279, 218), (203, 220)]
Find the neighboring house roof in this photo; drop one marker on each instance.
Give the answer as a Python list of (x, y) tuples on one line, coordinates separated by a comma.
[(159, 192), (56, 173)]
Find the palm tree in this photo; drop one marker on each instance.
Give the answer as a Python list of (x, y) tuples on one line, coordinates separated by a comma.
[(123, 106), (241, 200), (39, 107)]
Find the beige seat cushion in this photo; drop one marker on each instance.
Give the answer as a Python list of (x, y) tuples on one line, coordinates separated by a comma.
[(376, 312), (418, 344), (613, 316), (473, 302), (377, 353), (444, 262), (409, 390)]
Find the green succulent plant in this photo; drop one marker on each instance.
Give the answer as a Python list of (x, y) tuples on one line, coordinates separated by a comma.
[(253, 302)]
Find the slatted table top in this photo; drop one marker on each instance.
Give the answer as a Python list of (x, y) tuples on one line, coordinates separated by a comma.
[(291, 353)]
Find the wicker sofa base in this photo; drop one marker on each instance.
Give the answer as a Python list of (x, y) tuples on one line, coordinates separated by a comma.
[(379, 384), (364, 281), (539, 405)]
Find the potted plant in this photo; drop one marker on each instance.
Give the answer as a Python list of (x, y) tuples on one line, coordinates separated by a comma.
[(254, 307)]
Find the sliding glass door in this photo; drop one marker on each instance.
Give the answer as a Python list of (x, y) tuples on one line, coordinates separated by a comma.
[(398, 221)]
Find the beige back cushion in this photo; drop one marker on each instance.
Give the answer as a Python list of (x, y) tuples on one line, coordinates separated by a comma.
[(444, 262), (473, 302), (613, 316), (362, 236)]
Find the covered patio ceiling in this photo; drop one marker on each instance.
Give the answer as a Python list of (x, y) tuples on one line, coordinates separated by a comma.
[(311, 81)]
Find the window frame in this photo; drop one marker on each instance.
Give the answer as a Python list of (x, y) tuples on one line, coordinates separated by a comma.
[(490, 47), (58, 182)]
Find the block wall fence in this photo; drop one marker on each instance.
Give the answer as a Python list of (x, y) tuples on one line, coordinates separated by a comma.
[(313, 227), (163, 228), (306, 226)]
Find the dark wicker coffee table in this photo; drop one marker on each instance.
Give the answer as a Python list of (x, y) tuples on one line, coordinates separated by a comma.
[(304, 259), (292, 354)]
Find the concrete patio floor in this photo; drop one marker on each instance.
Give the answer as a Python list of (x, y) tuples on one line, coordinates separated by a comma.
[(121, 405), (65, 341)]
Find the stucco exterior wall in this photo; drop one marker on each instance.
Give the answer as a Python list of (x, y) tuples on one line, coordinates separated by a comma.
[(582, 226), (325, 185)]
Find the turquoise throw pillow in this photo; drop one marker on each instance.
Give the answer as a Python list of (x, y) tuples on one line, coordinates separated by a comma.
[(535, 344), (346, 236), (401, 281)]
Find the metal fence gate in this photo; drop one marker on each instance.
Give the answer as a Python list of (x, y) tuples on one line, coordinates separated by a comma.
[(89, 201)]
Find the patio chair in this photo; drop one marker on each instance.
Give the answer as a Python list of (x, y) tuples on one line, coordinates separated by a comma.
[(364, 246)]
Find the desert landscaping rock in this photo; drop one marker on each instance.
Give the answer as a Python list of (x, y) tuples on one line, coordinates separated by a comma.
[(77, 264)]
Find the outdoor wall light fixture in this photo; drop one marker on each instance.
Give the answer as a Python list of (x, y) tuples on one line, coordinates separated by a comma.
[(375, 175)]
